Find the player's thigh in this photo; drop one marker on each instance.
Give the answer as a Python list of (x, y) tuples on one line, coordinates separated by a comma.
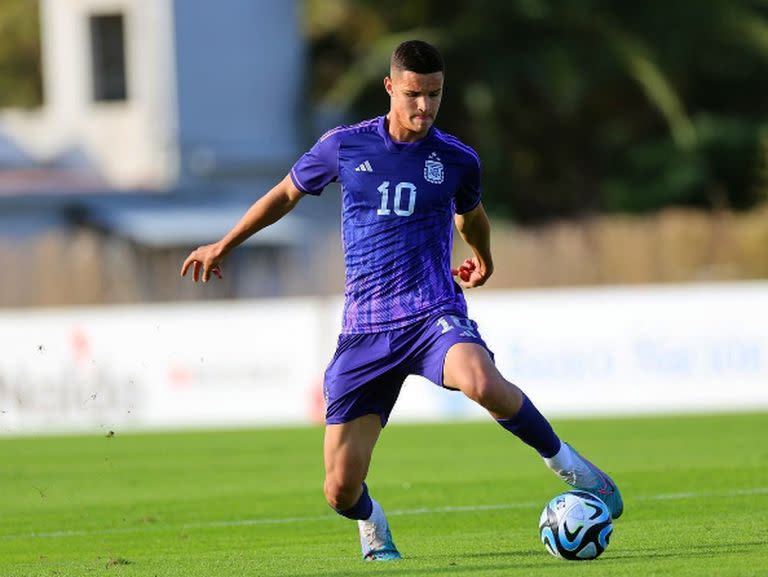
[(348, 448), (469, 368), (466, 363)]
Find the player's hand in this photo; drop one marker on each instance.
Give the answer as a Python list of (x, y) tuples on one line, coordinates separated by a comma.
[(205, 259), (471, 274)]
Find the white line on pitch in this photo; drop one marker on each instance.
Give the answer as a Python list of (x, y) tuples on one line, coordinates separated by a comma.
[(697, 495), (393, 513)]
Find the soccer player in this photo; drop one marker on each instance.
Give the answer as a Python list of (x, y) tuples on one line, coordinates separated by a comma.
[(404, 185)]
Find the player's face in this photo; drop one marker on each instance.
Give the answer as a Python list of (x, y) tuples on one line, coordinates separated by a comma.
[(415, 99)]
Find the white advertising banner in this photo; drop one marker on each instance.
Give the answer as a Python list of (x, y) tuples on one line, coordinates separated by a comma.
[(695, 348), (175, 366), (231, 364)]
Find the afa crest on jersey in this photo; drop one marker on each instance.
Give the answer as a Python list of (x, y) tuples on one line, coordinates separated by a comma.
[(433, 169)]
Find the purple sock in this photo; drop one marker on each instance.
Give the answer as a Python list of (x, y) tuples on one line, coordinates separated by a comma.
[(360, 510), (530, 426)]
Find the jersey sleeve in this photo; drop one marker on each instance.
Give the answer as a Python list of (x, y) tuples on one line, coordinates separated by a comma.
[(319, 166), (468, 195)]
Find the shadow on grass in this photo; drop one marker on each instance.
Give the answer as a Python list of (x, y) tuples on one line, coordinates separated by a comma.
[(444, 565), (532, 560), (703, 550)]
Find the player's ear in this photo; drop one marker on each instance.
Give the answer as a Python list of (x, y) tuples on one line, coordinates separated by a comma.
[(388, 85)]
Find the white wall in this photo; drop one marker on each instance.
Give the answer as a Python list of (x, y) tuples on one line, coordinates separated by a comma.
[(213, 87), (132, 143), (240, 73), (575, 352)]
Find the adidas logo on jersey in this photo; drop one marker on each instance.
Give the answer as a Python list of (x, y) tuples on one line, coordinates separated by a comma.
[(364, 167)]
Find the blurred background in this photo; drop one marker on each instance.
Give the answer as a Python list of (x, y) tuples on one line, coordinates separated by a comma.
[(625, 153)]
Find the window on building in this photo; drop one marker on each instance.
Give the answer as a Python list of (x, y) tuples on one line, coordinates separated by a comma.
[(108, 57)]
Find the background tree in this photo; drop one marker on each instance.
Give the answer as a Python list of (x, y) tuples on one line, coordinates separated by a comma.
[(20, 75), (577, 106)]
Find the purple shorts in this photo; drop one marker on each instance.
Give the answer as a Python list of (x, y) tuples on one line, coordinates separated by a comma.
[(368, 370)]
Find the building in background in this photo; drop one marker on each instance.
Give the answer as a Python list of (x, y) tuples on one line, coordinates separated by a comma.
[(154, 94), (163, 120)]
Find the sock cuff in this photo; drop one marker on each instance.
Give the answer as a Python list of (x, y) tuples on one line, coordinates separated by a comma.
[(530, 426), (512, 424), (361, 510)]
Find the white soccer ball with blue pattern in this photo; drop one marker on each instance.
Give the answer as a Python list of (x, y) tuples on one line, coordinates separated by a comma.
[(576, 526)]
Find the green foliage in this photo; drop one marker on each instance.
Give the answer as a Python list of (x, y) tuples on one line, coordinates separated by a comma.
[(20, 71), (577, 106)]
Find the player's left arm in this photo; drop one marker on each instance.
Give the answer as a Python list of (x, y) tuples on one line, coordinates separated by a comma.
[(475, 229)]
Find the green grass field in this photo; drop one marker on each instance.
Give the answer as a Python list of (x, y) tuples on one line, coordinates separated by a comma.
[(463, 500)]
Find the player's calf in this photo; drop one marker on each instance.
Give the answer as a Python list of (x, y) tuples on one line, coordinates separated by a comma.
[(531, 427), (495, 395), (342, 495), (359, 506)]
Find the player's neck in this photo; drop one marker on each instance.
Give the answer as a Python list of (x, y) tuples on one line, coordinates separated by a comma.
[(399, 133)]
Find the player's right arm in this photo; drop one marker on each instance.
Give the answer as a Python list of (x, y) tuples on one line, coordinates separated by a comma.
[(309, 175), (267, 210)]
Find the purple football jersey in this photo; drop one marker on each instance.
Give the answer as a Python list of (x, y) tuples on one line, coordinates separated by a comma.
[(398, 203)]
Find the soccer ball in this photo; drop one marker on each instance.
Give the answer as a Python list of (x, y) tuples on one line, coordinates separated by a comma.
[(575, 525)]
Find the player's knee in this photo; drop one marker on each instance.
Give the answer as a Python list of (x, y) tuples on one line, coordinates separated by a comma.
[(477, 387), (485, 390), (341, 493)]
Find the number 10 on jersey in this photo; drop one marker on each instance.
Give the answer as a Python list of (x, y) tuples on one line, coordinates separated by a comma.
[(397, 204)]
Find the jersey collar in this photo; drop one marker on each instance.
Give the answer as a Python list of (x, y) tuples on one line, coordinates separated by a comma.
[(393, 146)]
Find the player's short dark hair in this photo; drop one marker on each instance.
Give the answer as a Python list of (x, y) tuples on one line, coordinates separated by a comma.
[(417, 56)]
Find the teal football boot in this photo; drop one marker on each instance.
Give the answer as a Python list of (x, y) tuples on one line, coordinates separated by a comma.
[(587, 477), (376, 538)]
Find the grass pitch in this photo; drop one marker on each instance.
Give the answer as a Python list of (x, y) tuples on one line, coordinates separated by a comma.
[(463, 500)]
